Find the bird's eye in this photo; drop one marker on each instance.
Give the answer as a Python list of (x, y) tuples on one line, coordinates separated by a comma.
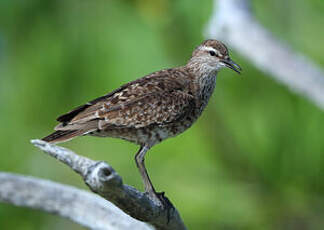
[(212, 53)]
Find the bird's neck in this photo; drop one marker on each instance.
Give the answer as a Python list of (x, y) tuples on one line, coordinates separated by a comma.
[(203, 83), (206, 88)]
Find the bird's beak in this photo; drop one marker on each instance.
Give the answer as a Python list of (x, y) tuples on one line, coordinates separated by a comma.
[(232, 65)]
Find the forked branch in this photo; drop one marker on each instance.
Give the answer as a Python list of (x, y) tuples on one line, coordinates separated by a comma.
[(84, 208), (102, 179)]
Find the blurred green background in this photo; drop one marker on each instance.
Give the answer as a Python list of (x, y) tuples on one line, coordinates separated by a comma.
[(254, 160)]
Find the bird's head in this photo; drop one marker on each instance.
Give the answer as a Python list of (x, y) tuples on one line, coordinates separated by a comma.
[(212, 55)]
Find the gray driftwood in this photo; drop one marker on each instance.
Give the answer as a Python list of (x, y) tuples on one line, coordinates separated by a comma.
[(86, 208), (82, 207)]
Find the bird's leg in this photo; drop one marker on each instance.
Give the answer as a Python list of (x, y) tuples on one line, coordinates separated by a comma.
[(149, 189), (139, 158)]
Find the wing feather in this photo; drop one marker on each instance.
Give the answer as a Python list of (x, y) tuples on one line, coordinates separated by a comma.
[(158, 98), (158, 108)]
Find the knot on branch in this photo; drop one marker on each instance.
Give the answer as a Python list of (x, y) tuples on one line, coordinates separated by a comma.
[(100, 176)]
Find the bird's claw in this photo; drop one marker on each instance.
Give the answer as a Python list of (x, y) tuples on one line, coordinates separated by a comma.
[(166, 204)]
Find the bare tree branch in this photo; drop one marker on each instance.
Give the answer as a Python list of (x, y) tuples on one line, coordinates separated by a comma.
[(233, 23), (102, 179), (82, 207)]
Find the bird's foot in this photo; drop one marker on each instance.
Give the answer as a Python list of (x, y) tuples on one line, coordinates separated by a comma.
[(164, 201)]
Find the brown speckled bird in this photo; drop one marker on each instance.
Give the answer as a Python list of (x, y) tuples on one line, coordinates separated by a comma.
[(151, 109)]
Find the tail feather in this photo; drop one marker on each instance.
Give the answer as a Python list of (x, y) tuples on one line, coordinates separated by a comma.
[(62, 135)]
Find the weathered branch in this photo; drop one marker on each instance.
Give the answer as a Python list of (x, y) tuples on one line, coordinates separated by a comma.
[(102, 179), (82, 207), (233, 23)]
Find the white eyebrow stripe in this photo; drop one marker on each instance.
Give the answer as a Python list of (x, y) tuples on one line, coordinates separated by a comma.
[(208, 48)]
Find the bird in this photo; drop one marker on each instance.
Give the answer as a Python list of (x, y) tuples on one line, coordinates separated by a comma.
[(150, 109)]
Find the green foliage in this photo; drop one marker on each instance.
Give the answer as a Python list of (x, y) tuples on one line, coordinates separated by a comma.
[(255, 160)]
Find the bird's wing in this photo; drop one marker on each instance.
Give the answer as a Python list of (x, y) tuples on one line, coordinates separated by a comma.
[(156, 108), (156, 98)]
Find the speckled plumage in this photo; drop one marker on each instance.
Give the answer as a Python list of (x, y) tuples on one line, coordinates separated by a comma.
[(155, 107), (137, 110)]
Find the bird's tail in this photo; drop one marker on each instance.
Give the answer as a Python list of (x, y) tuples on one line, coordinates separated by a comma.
[(62, 135)]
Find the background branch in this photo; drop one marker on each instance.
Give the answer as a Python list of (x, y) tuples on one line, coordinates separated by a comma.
[(82, 207), (233, 23)]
